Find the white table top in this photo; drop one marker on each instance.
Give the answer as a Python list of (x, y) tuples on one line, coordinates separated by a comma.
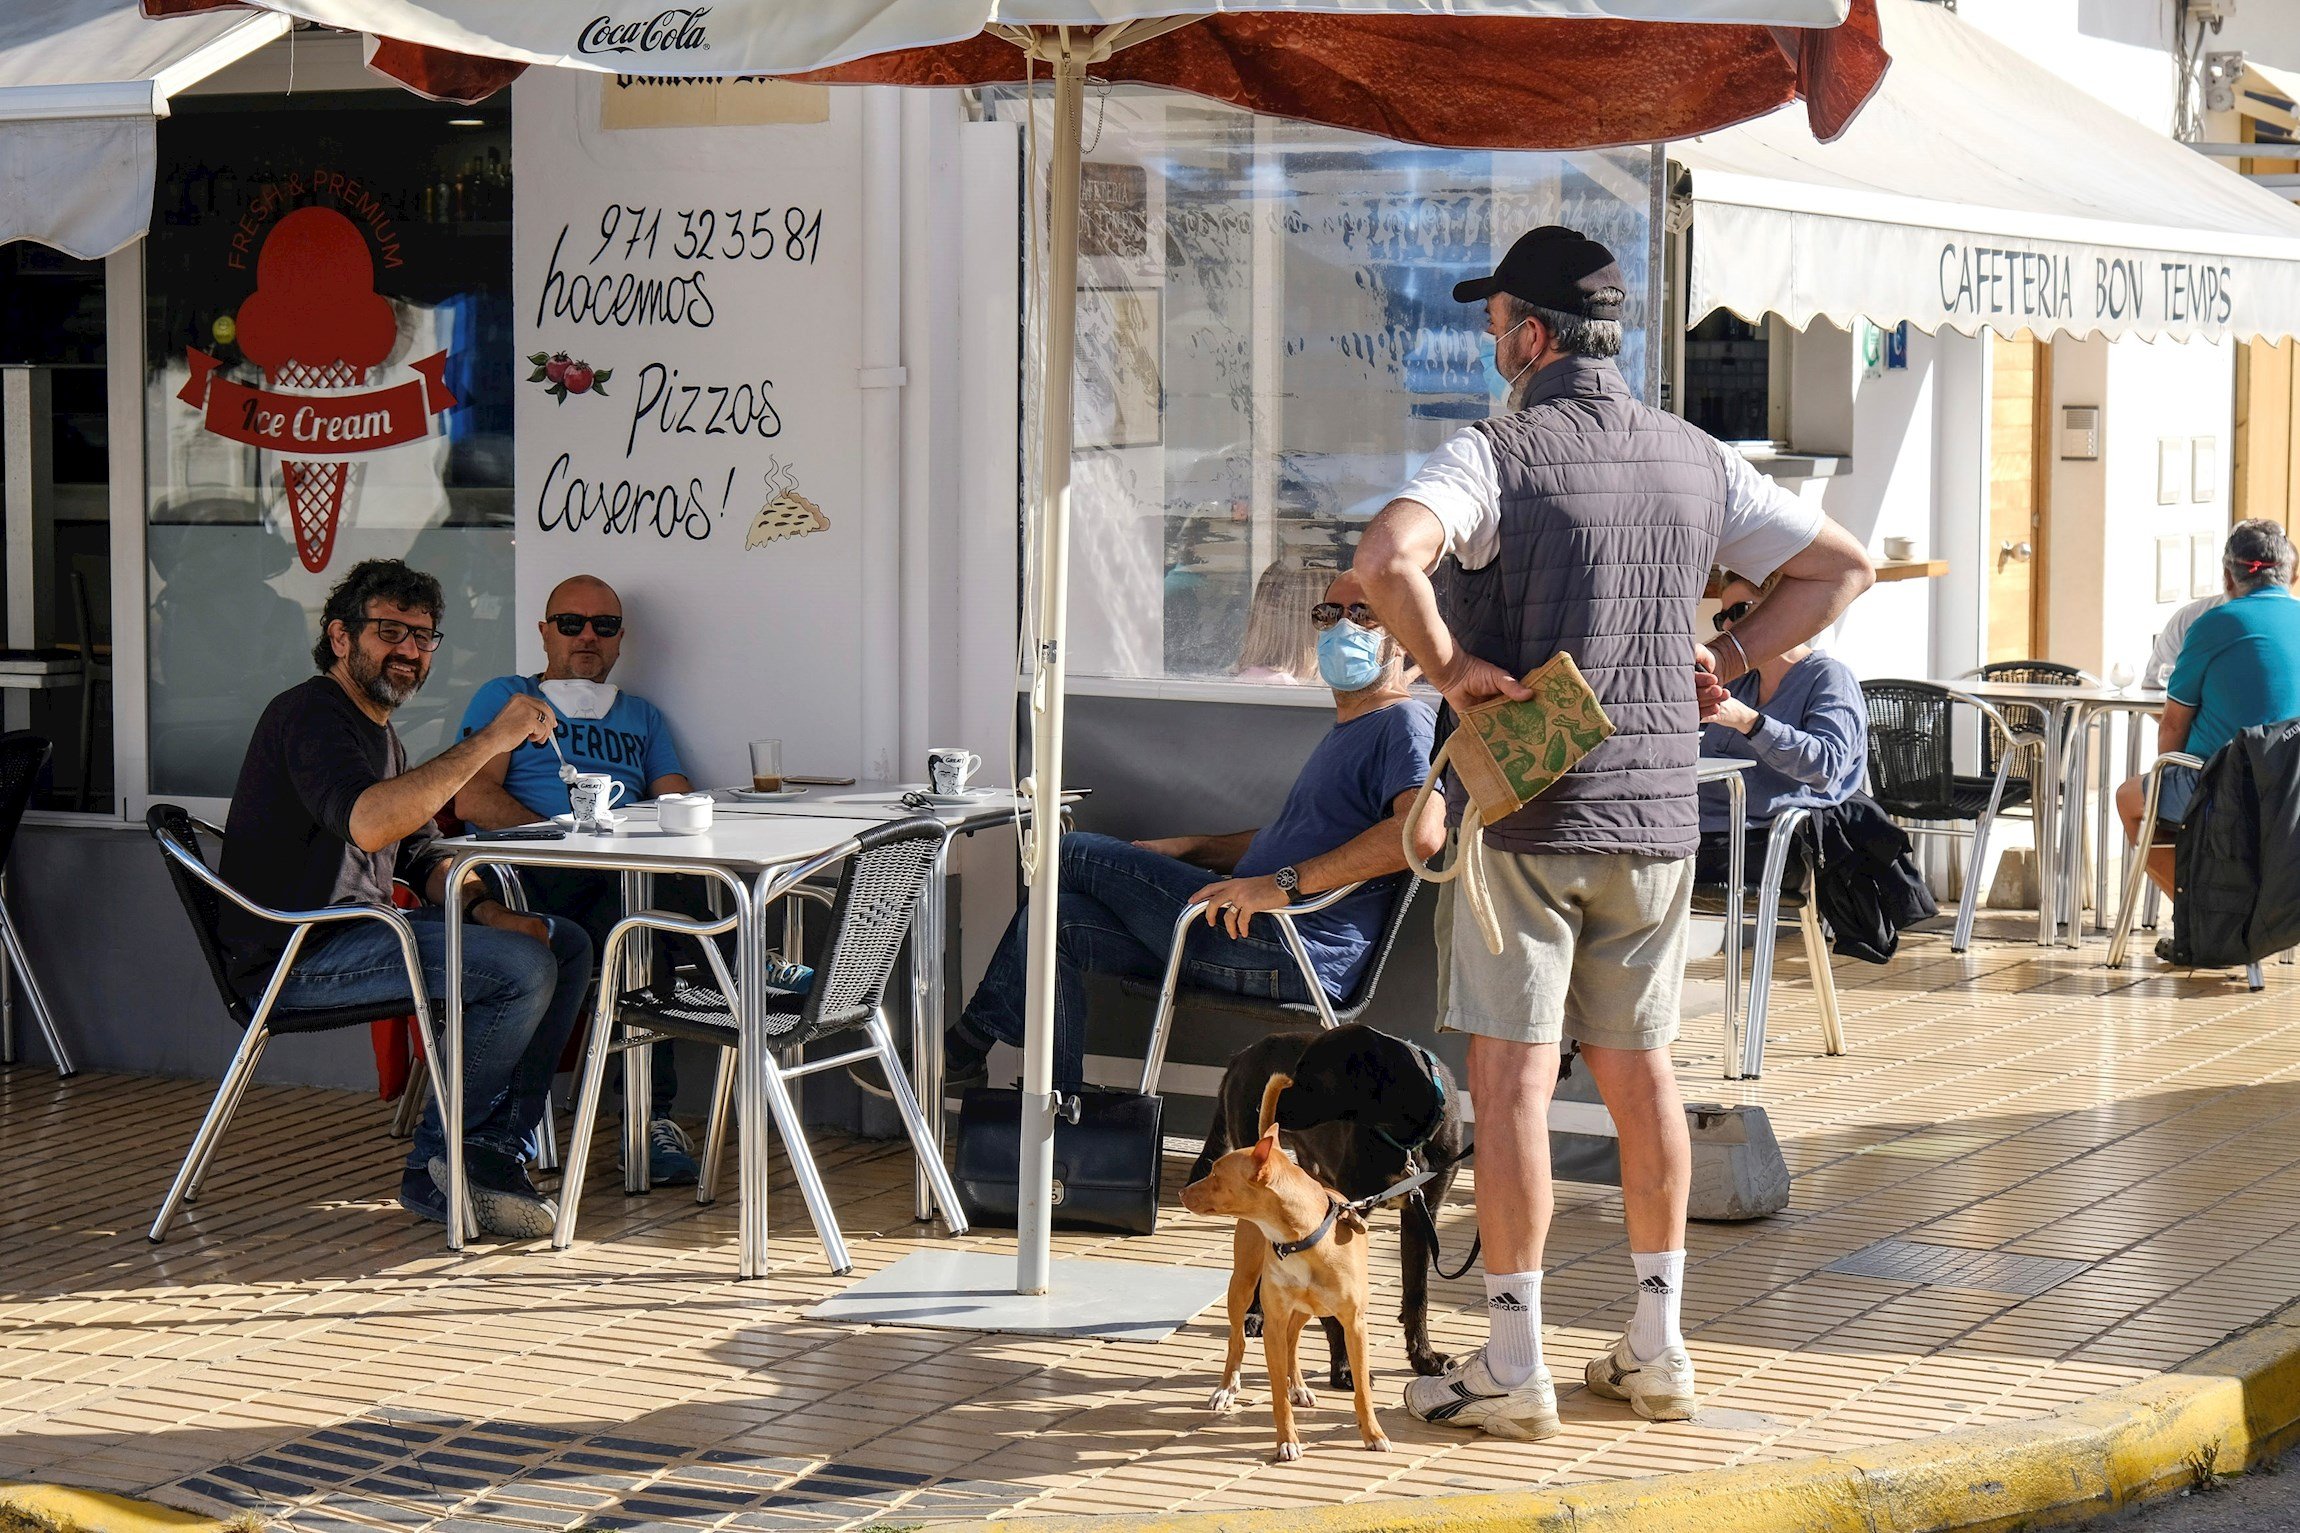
[(2047, 692), (879, 801), (734, 841)]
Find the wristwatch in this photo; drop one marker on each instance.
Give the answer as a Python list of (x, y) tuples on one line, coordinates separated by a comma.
[(1289, 881)]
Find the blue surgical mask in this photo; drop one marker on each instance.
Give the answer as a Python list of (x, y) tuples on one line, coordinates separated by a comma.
[(1349, 657), (1488, 344)]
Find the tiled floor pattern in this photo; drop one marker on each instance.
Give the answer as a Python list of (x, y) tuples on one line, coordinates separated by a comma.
[(302, 1348)]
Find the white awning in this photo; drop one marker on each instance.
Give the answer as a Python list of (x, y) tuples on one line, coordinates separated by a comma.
[(1978, 190), (81, 84)]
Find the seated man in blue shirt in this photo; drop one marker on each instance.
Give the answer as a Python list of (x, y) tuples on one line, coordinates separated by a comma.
[(1800, 718), (2239, 666), (601, 728), (1339, 825)]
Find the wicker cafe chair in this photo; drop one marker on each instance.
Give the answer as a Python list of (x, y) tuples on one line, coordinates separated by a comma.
[(205, 896), (1277, 1013), (1912, 773), (2025, 717), (1772, 900), (885, 870), (22, 756)]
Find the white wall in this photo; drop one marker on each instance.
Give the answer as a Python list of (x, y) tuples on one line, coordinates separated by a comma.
[(1889, 493)]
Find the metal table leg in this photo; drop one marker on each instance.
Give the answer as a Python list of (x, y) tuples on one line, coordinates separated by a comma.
[(2076, 741), (2044, 799), (927, 938), (638, 1060), (1736, 877), (451, 1059)]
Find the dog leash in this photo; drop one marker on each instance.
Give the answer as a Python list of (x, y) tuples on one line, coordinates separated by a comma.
[(1336, 1207)]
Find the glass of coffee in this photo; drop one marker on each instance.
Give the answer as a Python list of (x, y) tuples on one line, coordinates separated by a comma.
[(766, 766)]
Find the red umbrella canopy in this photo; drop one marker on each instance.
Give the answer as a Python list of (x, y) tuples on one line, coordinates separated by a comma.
[(1483, 80)]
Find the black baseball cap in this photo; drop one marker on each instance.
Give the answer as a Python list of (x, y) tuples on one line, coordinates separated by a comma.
[(1553, 268)]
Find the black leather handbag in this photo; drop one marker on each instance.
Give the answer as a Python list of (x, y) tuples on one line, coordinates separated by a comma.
[(1105, 1165)]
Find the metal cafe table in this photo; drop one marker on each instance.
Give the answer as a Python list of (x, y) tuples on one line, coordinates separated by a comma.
[(753, 852)]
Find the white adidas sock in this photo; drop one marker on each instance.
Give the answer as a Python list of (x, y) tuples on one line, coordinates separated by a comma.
[(1513, 1313), (1660, 1290)]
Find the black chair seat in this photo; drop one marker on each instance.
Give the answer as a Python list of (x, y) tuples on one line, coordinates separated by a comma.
[(321, 1019), (1968, 797), (1710, 899), (700, 1012)]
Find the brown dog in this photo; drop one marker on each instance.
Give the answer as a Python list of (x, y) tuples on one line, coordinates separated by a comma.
[(1306, 1251)]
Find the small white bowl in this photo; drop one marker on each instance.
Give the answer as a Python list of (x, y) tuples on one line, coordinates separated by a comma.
[(684, 814)]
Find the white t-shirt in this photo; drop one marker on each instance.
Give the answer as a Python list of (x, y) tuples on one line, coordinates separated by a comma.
[(2165, 652), (1765, 526)]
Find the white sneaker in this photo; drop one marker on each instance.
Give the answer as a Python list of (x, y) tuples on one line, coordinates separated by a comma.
[(1466, 1395), (1657, 1388)]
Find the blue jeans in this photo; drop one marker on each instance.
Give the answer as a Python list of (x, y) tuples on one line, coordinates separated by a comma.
[(1116, 916), (519, 1003)]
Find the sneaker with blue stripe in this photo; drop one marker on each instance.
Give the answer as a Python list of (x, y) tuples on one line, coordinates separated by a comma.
[(1467, 1395)]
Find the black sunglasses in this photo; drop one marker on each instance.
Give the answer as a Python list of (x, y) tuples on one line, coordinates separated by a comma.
[(606, 624), (1732, 614), (1327, 613), (394, 633)]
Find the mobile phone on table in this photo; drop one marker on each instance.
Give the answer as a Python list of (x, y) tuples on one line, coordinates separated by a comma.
[(522, 833)]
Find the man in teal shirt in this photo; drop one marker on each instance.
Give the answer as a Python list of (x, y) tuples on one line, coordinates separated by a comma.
[(2239, 666)]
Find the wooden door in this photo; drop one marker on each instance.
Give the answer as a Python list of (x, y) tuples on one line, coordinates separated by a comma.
[(2019, 390), (2265, 456)]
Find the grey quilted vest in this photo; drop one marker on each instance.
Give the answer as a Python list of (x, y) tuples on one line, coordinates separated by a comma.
[(1610, 515)]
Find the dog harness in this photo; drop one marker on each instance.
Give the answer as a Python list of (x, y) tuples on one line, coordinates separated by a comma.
[(1409, 1149)]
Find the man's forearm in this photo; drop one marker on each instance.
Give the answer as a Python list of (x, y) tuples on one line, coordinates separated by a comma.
[(398, 807), (489, 805), (1219, 854), (1392, 563), (1374, 852), (1816, 586)]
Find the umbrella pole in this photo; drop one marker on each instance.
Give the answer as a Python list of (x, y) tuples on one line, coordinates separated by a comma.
[(1034, 1211)]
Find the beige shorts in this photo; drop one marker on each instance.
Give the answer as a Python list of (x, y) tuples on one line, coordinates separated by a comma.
[(1593, 948)]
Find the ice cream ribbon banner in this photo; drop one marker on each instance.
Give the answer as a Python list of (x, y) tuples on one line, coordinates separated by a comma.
[(319, 425)]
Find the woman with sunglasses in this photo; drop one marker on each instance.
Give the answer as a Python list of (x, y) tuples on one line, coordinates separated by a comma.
[(1800, 717)]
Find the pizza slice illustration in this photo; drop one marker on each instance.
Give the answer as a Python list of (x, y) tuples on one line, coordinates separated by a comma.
[(787, 513)]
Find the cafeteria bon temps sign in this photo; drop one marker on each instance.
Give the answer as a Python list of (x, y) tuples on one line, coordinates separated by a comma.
[(2056, 287)]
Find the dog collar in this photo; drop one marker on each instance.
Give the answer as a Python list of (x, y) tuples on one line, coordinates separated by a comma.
[(1410, 1148), (1286, 1248)]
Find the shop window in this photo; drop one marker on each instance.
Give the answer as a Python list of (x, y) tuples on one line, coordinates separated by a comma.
[(1729, 379), (56, 519), (329, 292), (1268, 347)]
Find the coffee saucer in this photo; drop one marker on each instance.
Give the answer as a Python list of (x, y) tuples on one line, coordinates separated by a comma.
[(754, 796), (610, 824), (958, 800)]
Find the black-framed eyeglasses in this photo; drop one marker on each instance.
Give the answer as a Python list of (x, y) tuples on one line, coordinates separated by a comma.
[(605, 624), (1327, 613), (1732, 614), (394, 633)]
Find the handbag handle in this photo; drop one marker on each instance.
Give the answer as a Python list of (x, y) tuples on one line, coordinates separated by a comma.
[(1468, 864)]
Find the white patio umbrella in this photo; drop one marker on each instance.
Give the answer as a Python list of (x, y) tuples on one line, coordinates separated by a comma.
[(1484, 74)]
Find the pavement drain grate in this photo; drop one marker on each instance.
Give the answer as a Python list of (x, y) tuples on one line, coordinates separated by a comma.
[(1914, 1261)]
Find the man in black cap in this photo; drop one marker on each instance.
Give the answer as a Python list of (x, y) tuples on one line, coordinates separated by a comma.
[(1584, 521)]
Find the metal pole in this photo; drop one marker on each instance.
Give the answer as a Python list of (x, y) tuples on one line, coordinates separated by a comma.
[(1033, 1258)]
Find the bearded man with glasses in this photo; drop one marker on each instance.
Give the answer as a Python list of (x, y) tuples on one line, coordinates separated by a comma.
[(599, 728), (328, 812)]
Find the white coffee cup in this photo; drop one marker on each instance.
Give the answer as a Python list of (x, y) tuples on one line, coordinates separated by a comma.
[(684, 814), (949, 766), (1900, 548), (592, 795)]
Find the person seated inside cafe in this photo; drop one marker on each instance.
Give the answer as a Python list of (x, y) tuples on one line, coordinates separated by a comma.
[(1340, 824), (1799, 716), (598, 728), (2239, 666), (327, 811)]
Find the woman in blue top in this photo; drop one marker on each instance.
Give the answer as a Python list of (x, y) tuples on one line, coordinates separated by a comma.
[(1800, 717)]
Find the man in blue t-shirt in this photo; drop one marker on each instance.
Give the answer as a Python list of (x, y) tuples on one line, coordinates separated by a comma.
[(1340, 825), (2239, 666), (601, 728)]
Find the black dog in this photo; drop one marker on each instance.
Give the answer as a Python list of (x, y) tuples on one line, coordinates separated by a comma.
[(1366, 1111)]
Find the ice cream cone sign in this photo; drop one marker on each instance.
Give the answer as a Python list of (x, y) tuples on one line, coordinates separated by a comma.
[(320, 333), (787, 513)]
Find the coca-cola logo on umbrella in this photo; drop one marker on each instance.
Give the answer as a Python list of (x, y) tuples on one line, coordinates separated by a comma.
[(678, 30), (321, 334)]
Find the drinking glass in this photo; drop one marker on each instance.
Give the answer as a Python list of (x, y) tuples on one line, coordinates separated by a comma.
[(766, 766), (2120, 675)]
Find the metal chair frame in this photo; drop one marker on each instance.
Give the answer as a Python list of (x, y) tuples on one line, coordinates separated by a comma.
[(1169, 989), (186, 1187), (18, 957), (1750, 1045), (2015, 740), (778, 1068), (2136, 874)]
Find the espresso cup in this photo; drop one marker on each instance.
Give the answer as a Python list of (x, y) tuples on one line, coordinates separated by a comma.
[(949, 766), (592, 795), (1900, 548), (684, 814)]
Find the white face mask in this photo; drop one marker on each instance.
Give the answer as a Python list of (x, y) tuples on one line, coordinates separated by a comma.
[(581, 699)]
